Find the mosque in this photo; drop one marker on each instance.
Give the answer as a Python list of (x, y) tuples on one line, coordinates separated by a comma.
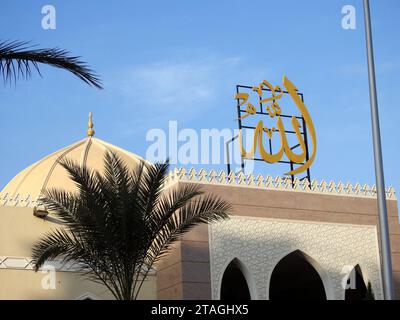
[(284, 241)]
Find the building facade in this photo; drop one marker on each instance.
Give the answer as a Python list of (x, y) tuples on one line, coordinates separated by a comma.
[(302, 240), (332, 228)]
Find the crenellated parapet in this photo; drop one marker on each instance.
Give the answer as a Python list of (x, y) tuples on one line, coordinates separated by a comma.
[(276, 183), (17, 200), (242, 180)]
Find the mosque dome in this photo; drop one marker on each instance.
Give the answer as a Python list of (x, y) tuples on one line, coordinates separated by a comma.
[(47, 173)]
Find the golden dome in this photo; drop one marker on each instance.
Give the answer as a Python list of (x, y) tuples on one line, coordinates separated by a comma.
[(47, 173)]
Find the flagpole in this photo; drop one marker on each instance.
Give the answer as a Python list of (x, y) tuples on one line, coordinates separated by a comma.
[(386, 263)]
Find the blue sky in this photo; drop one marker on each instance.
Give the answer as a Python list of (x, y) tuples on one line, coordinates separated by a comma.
[(181, 60)]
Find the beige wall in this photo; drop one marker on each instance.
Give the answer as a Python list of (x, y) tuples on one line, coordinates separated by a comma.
[(185, 273), (19, 229), (173, 281), (30, 285)]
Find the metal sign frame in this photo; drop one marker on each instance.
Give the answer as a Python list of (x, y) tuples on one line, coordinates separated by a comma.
[(262, 113)]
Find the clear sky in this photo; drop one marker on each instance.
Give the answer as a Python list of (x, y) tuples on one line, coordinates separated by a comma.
[(181, 60)]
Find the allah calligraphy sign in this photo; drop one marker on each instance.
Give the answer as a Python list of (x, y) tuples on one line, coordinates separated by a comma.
[(289, 140)]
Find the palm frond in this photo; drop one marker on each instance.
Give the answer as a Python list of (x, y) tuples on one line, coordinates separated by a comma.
[(205, 209), (53, 245), (20, 58), (121, 221)]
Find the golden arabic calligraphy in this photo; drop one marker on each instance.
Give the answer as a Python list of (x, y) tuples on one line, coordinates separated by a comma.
[(274, 110)]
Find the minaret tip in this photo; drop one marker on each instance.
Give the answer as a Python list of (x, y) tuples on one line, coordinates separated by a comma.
[(90, 131)]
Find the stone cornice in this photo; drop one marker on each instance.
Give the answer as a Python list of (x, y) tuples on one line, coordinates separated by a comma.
[(242, 180)]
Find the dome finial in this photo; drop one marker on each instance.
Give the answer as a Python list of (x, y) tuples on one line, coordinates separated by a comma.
[(90, 131)]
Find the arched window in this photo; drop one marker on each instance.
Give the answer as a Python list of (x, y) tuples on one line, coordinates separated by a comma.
[(356, 288), (234, 286), (294, 278)]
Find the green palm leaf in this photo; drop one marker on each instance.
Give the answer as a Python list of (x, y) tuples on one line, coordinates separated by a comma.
[(120, 222), (18, 59)]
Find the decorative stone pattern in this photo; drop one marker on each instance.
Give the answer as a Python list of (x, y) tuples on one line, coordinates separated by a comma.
[(17, 201), (277, 183), (240, 179), (26, 263), (259, 244)]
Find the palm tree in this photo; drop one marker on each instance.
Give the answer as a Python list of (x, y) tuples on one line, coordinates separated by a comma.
[(122, 221), (19, 58)]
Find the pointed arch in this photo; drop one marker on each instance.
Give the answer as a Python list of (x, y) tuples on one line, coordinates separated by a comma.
[(356, 288), (236, 282), (87, 296), (297, 276)]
